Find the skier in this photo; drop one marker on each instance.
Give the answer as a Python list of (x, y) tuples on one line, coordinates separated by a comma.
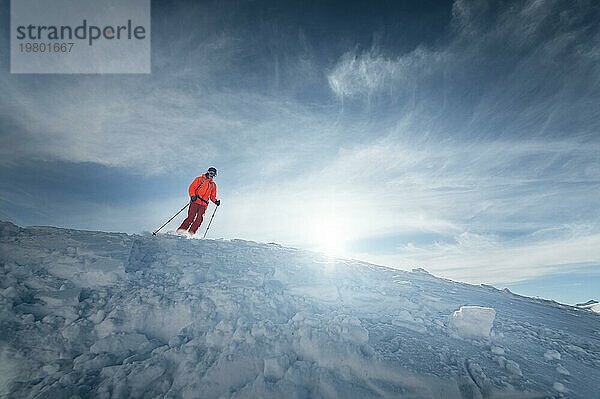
[(201, 190)]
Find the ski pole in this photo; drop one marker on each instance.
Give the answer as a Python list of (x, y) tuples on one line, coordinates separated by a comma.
[(211, 218), (174, 216)]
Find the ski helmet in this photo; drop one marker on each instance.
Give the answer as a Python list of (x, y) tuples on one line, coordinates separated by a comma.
[(213, 170)]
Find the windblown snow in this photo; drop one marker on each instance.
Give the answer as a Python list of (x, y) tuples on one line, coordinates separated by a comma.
[(107, 315)]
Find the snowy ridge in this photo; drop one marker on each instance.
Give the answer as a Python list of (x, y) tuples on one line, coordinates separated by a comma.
[(94, 314), (592, 305)]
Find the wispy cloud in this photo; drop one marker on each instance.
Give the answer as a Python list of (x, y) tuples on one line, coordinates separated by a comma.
[(527, 69), (484, 259), (159, 129)]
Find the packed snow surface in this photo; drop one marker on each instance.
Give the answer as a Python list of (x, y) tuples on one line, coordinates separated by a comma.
[(92, 314)]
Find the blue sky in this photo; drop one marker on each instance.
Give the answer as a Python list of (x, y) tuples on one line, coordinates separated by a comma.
[(462, 137)]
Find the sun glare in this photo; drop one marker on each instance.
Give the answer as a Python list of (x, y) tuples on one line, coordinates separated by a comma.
[(330, 237)]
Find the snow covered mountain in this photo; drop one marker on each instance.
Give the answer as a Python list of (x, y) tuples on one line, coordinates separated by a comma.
[(93, 314)]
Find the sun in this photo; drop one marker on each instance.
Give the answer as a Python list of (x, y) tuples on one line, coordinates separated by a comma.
[(330, 236)]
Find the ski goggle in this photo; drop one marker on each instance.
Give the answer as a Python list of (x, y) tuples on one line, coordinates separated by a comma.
[(211, 173)]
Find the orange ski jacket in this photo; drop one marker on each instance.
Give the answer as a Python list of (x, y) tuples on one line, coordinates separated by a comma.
[(205, 188)]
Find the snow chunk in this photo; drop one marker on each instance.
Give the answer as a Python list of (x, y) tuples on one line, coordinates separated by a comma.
[(552, 354), (10, 292), (11, 368), (352, 330), (473, 321), (513, 367), (219, 337), (274, 368), (560, 387), (120, 344), (560, 369), (577, 349)]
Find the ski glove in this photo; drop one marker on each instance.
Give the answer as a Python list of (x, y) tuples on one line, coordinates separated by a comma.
[(218, 202), (193, 198)]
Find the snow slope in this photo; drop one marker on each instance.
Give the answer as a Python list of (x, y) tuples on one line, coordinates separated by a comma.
[(94, 314)]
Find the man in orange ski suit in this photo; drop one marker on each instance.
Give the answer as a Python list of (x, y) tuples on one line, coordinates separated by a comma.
[(201, 190)]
